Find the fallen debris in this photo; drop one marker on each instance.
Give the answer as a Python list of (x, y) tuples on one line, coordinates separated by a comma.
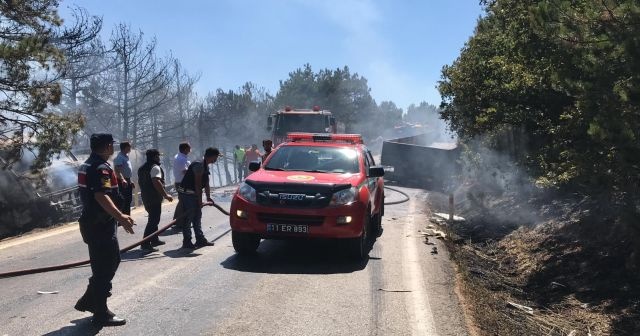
[(433, 233), (427, 242), (434, 250), (525, 309), (445, 217)]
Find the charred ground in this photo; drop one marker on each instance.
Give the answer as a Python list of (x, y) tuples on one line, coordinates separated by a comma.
[(572, 264)]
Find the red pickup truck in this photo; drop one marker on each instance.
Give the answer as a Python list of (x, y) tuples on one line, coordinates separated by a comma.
[(312, 186)]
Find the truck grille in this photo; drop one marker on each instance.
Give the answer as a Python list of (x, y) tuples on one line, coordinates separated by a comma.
[(307, 196)]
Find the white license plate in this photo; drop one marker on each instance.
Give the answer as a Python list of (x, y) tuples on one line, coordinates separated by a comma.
[(288, 228)]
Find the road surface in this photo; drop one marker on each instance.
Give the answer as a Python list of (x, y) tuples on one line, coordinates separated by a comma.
[(289, 288)]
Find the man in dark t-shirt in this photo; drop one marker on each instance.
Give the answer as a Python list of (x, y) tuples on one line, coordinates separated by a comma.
[(190, 195)]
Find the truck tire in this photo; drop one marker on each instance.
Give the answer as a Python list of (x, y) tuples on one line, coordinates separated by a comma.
[(245, 243), (377, 222), (358, 248)]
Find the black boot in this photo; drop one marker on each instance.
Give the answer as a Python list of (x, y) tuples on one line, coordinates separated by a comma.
[(86, 302), (202, 242), (187, 244), (105, 317)]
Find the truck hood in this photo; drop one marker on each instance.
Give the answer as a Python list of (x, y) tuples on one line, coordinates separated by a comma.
[(300, 177)]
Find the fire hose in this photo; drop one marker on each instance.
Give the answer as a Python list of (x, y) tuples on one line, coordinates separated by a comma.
[(406, 197), (85, 262), (145, 240)]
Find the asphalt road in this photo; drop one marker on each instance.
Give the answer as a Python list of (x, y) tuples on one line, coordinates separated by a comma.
[(289, 288)]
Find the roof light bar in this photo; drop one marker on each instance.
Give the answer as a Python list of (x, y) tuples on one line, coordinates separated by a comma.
[(328, 137)]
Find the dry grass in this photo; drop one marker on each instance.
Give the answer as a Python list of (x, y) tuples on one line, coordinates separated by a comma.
[(558, 267)]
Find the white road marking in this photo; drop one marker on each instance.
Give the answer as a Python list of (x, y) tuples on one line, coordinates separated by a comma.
[(39, 235), (73, 226), (421, 315)]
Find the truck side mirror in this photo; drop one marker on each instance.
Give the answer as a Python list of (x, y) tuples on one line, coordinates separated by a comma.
[(332, 121), (269, 123), (376, 171), (254, 166)]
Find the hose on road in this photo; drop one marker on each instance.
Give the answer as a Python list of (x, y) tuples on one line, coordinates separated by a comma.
[(406, 197), (85, 262), (146, 239)]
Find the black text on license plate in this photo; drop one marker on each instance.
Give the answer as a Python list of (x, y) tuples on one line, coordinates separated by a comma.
[(292, 197), (288, 228)]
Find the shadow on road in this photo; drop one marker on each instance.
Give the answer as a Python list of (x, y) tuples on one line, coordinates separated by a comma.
[(81, 326), (172, 231), (296, 257), (127, 257), (181, 253)]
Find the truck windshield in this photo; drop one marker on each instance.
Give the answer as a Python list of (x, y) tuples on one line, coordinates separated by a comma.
[(312, 123), (314, 159)]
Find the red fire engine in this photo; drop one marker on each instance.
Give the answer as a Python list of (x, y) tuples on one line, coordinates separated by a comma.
[(290, 120)]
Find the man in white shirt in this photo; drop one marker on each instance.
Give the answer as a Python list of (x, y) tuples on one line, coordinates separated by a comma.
[(180, 165)]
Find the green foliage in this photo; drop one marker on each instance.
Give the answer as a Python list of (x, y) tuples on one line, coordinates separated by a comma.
[(29, 58), (564, 78), (347, 95), (423, 113)]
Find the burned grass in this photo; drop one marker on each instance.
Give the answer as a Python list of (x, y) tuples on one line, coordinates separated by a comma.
[(558, 275)]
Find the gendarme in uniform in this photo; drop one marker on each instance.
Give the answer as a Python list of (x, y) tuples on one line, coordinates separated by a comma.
[(98, 229)]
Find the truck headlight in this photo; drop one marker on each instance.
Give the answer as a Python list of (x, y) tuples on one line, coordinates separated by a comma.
[(343, 197), (247, 192)]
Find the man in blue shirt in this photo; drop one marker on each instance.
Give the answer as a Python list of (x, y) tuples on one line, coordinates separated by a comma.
[(123, 172)]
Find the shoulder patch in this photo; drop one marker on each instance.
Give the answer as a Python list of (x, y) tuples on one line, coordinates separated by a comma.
[(106, 182)]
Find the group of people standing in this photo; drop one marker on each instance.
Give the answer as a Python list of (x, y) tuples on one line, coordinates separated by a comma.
[(242, 157), (106, 196)]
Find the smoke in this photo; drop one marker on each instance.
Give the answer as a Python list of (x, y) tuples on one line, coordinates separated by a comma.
[(496, 185)]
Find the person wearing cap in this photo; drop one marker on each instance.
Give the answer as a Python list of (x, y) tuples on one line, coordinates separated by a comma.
[(190, 195), (151, 181), (123, 170), (98, 188), (267, 144)]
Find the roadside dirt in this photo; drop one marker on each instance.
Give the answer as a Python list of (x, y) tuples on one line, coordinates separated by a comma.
[(556, 273)]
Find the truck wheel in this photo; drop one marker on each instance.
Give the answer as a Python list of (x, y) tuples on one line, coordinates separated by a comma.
[(377, 223), (245, 243), (359, 247)]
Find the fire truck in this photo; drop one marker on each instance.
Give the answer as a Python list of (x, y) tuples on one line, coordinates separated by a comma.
[(289, 120), (313, 186)]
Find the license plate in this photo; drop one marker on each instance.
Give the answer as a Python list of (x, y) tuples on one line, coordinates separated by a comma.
[(292, 197), (287, 228)]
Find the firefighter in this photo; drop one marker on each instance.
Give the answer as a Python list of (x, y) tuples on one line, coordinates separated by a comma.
[(98, 187), (151, 181), (190, 195)]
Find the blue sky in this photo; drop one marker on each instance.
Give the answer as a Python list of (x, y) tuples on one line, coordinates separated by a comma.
[(400, 46)]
